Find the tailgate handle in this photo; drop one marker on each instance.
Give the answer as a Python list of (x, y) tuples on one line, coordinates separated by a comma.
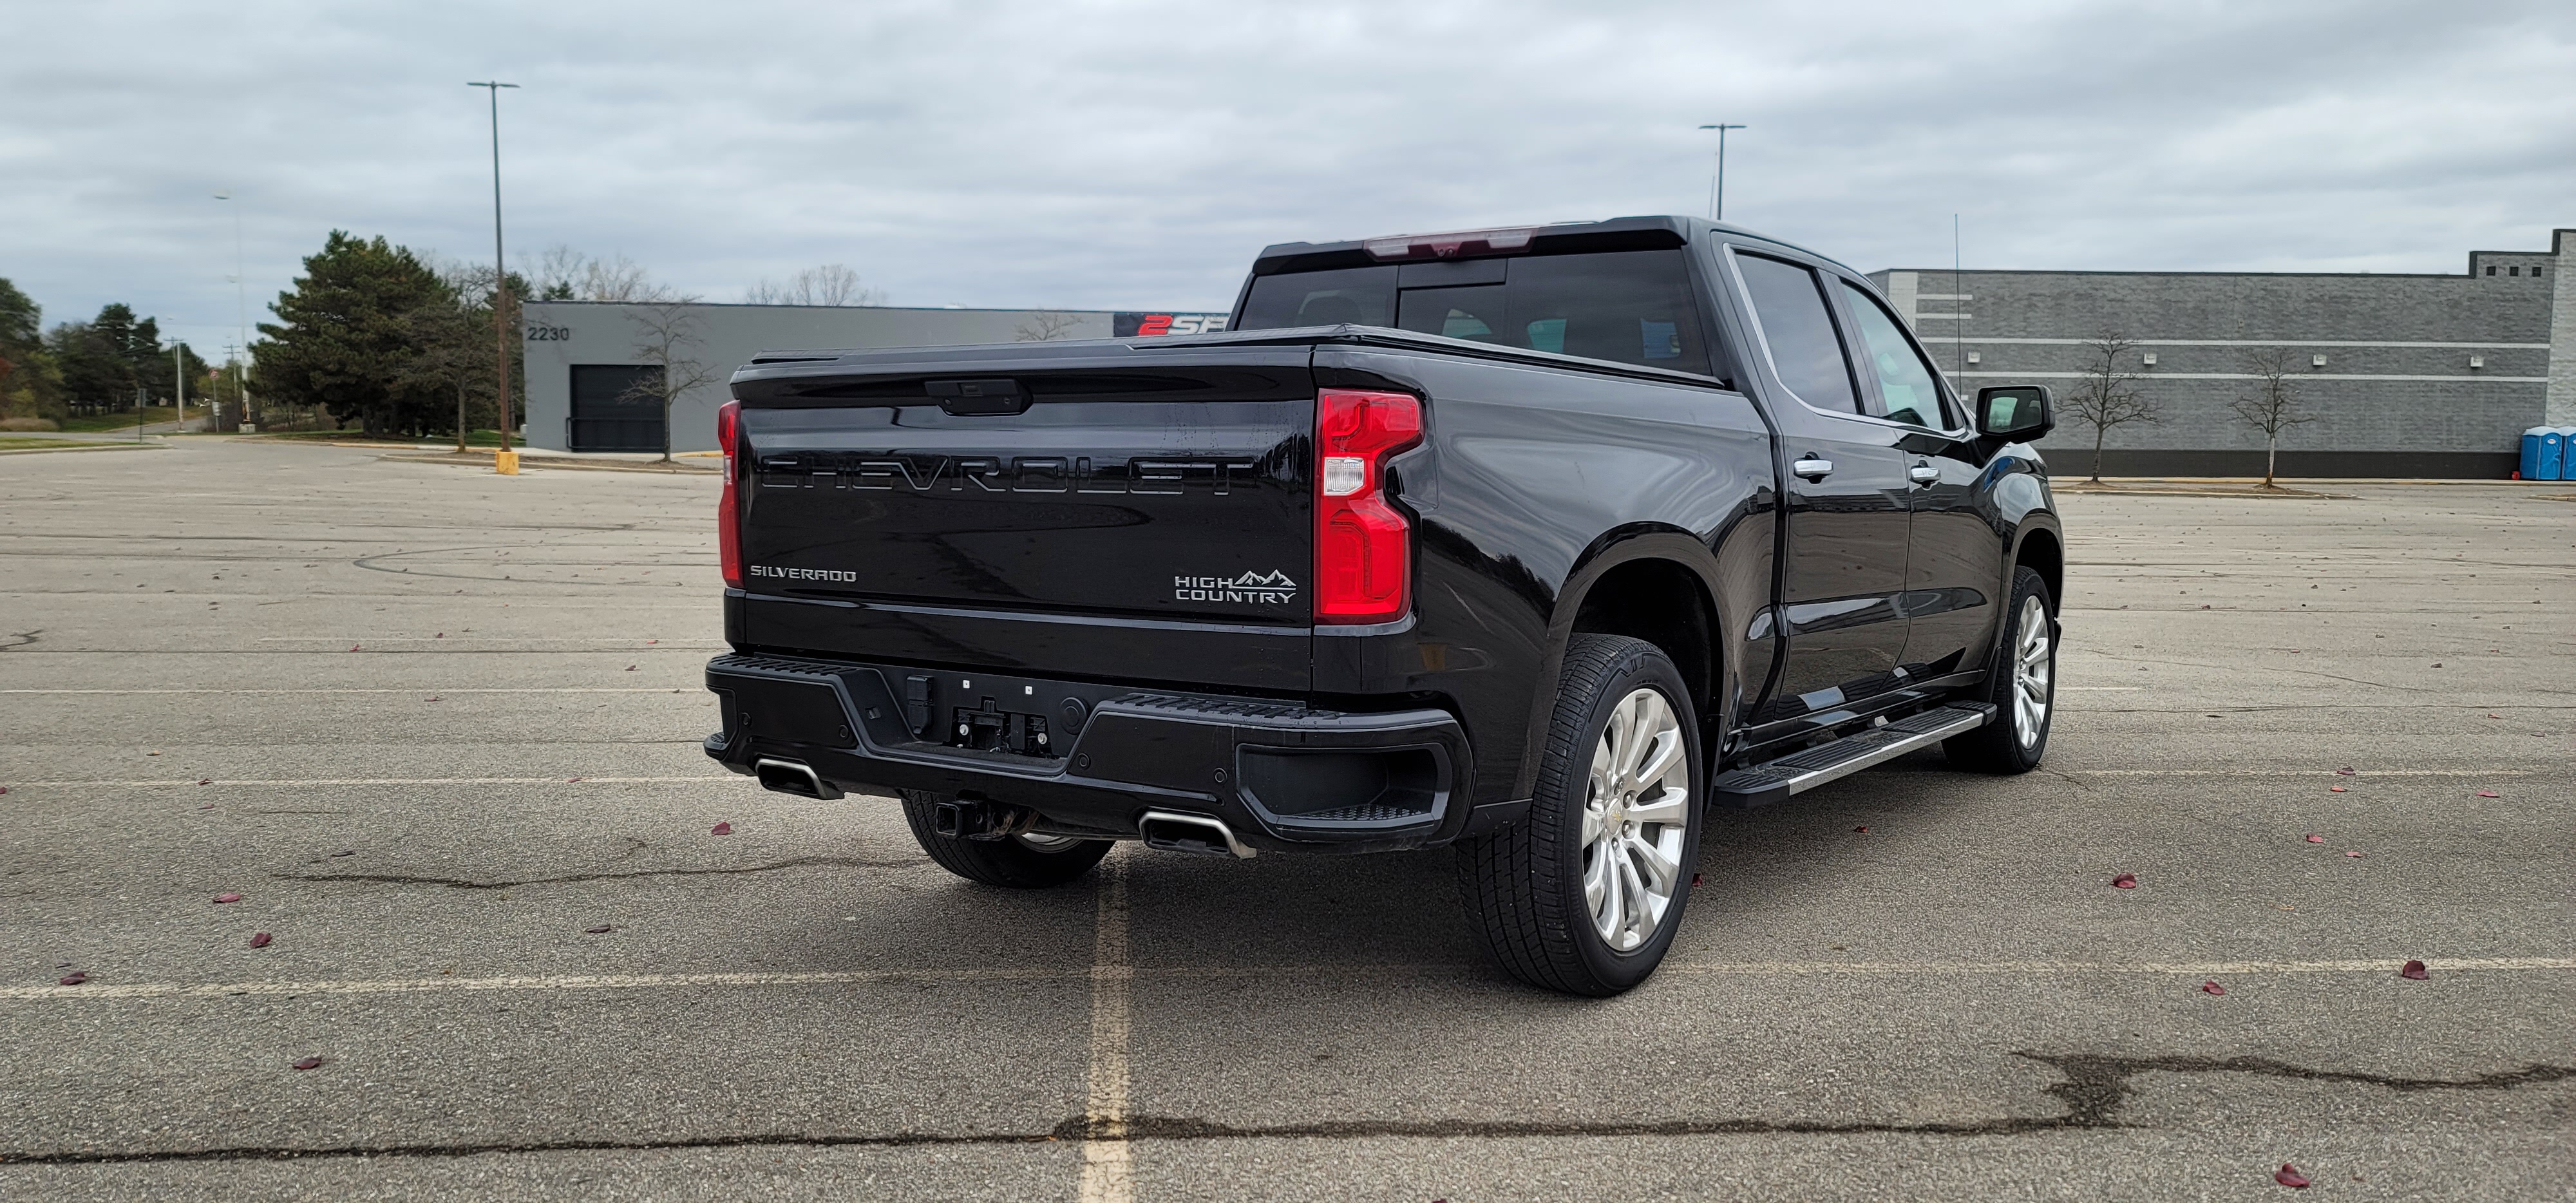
[(964, 398)]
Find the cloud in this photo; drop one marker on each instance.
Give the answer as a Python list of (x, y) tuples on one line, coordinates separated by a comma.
[(1129, 155)]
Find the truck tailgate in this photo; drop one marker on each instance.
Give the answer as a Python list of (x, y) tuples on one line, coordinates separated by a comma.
[(1080, 510)]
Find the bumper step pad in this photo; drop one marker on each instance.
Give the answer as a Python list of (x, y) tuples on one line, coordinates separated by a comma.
[(1763, 784)]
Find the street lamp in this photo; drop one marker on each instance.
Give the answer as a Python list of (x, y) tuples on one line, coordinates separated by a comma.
[(1717, 188), (505, 461), (241, 299)]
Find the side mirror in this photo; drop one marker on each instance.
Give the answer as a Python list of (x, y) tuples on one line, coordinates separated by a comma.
[(2017, 412)]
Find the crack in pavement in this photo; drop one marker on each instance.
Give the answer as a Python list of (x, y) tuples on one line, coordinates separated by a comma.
[(464, 883), (2094, 1087)]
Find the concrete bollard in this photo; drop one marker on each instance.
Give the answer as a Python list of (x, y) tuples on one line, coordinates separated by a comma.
[(506, 462)]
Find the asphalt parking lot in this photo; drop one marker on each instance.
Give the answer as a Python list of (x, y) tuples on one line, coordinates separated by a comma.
[(436, 728)]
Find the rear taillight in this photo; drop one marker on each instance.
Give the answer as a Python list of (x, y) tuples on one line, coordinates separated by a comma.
[(729, 510), (1363, 544)]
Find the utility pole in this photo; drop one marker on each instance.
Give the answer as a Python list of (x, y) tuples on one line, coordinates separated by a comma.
[(505, 461), (1717, 189), (179, 374), (241, 299)]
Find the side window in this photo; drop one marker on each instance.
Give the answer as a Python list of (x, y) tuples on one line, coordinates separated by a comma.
[(1800, 332), (1904, 380)]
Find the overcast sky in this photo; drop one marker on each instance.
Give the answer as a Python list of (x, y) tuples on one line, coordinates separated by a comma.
[(1136, 155)]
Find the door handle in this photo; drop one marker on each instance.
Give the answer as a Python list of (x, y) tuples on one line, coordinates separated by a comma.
[(1812, 468), (1923, 474)]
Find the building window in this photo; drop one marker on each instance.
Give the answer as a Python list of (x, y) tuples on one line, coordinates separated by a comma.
[(2491, 269), (2515, 270)]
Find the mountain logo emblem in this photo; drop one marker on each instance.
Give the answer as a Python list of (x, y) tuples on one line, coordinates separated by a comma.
[(1273, 579)]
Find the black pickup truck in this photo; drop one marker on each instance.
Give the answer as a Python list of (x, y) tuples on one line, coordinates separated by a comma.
[(1533, 541)]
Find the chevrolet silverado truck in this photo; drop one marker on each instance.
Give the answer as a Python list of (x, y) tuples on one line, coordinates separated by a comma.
[(1536, 542)]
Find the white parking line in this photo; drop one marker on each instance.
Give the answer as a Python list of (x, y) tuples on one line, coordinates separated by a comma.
[(2296, 772), (1108, 1164), (1110, 1024), (190, 781), (432, 689)]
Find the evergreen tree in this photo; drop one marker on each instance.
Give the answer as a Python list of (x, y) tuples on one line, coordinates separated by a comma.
[(344, 339), (30, 382)]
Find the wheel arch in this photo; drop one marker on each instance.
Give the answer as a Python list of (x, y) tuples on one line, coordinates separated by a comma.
[(2042, 550), (1657, 584)]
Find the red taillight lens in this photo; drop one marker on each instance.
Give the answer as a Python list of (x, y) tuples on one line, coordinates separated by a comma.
[(729, 510), (1363, 544)]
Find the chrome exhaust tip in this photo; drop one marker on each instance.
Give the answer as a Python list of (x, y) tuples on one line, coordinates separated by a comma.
[(793, 777), (1197, 835)]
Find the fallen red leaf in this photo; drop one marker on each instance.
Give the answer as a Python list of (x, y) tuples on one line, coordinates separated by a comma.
[(308, 1063), (2288, 1175), (433, 699), (2415, 972), (652, 641), (2354, 855), (2344, 772), (721, 829), (2316, 839), (1694, 881), (2488, 793), (2125, 881), (2212, 988), (570, 780), (259, 939), (1861, 829), (77, 977), (205, 781), (600, 930), (227, 897), (353, 647), (2336, 789), (630, 668), (4, 789)]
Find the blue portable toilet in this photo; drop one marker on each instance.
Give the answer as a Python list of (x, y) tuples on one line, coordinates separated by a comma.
[(2531, 452), (2552, 463)]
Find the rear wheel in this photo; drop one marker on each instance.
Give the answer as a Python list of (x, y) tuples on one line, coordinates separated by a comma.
[(1584, 895), (1019, 862), (2021, 682)]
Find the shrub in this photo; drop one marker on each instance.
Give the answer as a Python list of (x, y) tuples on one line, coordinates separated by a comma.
[(27, 424)]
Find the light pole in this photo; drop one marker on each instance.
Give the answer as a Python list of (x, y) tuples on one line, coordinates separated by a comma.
[(504, 461), (1717, 188), (241, 299)]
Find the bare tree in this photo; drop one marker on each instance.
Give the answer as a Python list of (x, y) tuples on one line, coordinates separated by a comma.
[(2105, 397), (564, 274), (667, 336), (1046, 327), (828, 284), (2273, 404)]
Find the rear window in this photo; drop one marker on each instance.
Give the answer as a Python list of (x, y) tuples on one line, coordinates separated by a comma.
[(1624, 306)]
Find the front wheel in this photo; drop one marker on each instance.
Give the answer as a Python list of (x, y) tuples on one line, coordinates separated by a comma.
[(1584, 895), (1019, 862), (2021, 682)]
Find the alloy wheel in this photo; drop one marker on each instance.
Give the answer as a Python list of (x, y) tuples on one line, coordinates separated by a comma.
[(2034, 666), (1636, 811)]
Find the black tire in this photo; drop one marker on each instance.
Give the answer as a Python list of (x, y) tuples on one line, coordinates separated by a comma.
[(2012, 743), (1009, 862), (1524, 884)]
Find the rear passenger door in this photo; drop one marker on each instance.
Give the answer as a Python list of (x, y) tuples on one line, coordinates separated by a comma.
[(1849, 504)]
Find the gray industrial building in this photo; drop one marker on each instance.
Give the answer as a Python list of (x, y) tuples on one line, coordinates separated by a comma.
[(584, 357), (2402, 375)]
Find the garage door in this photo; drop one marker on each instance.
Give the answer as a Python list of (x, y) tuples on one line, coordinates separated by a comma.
[(614, 408)]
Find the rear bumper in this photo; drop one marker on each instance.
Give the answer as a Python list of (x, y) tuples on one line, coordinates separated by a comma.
[(1094, 758)]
